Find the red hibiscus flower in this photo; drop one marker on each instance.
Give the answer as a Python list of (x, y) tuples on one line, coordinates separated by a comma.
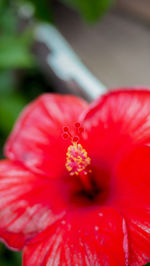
[(75, 189)]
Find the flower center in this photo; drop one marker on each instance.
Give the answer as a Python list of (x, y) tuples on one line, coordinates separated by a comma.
[(77, 159)]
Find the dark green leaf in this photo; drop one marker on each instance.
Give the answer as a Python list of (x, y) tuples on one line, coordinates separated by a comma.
[(10, 107), (7, 82), (9, 258), (42, 9), (14, 52), (8, 20), (90, 9)]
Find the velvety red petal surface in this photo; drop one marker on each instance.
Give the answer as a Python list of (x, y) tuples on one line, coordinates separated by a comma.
[(117, 138), (115, 122), (37, 139), (133, 201), (26, 204), (86, 237)]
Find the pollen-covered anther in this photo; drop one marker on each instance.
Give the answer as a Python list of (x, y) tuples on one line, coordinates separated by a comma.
[(77, 160)]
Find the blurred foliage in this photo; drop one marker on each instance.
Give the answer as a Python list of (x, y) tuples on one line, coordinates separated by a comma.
[(43, 10), (14, 51), (14, 98), (14, 44), (20, 77), (7, 258), (91, 10)]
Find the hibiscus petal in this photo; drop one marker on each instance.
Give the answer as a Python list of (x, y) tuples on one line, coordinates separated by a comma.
[(118, 130), (89, 237), (138, 218), (37, 140), (133, 200), (132, 174), (26, 204), (114, 123)]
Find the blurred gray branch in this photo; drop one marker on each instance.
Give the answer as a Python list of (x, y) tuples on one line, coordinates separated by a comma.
[(58, 58)]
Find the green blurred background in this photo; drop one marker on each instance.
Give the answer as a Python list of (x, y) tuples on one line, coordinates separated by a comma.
[(21, 79)]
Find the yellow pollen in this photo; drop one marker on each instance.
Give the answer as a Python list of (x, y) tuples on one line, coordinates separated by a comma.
[(77, 160)]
